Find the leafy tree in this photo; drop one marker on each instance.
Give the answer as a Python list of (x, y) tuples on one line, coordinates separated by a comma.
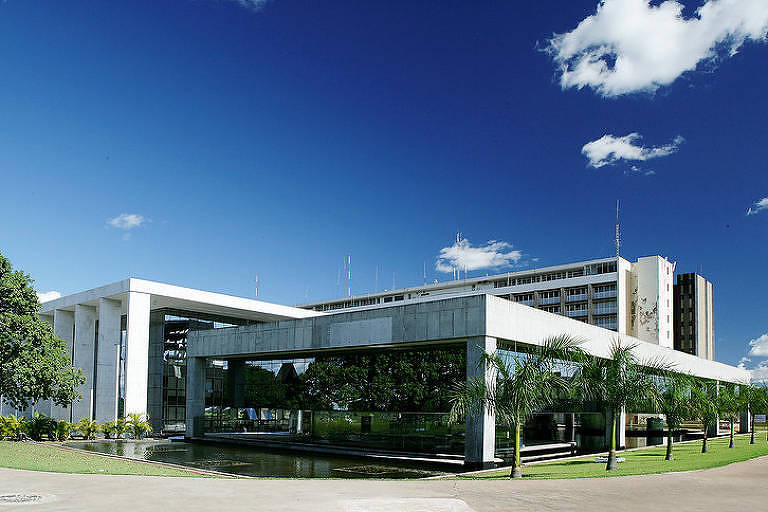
[(728, 407), (618, 383), (525, 384), (704, 409), (34, 364), (674, 402)]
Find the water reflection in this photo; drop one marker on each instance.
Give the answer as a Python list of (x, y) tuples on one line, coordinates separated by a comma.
[(242, 460)]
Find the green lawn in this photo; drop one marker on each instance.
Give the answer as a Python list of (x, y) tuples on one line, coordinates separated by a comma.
[(688, 457), (48, 457)]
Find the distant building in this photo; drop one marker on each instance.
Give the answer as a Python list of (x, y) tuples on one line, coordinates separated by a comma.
[(694, 325), (632, 298)]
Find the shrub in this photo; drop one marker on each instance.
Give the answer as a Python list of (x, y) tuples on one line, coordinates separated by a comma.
[(138, 425), (109, 429), (12, 427), (63, 430), (88, 428), (39, 425)]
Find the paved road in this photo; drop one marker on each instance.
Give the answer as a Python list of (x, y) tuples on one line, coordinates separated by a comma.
[(739, 486)]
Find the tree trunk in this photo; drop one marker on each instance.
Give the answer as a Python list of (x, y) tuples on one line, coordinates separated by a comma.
[(669, 446), (516, 471), (752, 428), (732, 444), (612, 464), (704, 447)]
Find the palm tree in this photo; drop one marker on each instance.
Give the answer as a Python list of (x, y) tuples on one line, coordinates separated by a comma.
[(618, 383), (728, 407), (751, 398), (525, 383), (704, 408), (674, 393)]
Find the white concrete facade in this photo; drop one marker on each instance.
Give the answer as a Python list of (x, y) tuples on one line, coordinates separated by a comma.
[(91, 323)]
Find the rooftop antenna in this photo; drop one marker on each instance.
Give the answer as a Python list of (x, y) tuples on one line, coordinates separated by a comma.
[(425, 273), (618, 233), (257, 285), (349, 275), (457, 269), (377, 279)]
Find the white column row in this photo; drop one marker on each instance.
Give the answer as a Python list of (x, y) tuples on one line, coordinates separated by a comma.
[(98, 356)]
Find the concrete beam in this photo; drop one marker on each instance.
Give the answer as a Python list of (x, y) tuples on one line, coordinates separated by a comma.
[(480, 436), (137, 353), (85, 345), (107, 360)]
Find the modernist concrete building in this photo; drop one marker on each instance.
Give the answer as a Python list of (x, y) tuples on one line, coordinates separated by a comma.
[(199, 362), (633, 298), (694, 312)]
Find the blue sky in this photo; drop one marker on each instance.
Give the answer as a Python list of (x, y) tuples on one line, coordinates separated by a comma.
[(275, 138)]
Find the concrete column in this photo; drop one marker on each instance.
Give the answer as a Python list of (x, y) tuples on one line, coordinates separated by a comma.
[(137, 353), (621, 430), (480, 436), (236, 381), (195, 394), (107, 358), (155, 370), (64, 329), (85, 346), (744, 422)]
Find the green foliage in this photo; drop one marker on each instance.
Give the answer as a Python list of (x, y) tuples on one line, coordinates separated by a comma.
[(40, 425), (12, 427), (619, 382), (138, 425), (88, 428), (674, 401), (64, 430), (525, 383), (34, 364)]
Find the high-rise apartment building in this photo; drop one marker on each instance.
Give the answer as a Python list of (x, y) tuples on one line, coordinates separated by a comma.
[(633, 298), (694, 325)]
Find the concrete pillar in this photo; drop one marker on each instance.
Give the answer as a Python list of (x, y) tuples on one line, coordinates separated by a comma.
[(745, 418), (85, 347), (107, 360), (137, 353), (64, 328), (621, 430), (195, 395), (236, 381), (480, 436), (156, 367)]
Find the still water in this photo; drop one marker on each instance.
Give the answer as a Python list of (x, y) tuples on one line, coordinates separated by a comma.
[(243, 460)]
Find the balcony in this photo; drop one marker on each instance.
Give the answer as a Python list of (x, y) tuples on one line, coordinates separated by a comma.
[(549, 300), (525, 302), (576, 313), (605, 295), (576, 298), (606, 310)]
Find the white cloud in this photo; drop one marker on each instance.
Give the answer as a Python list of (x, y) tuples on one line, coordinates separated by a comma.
[(631, 46), (758, 206), (463, 256), (609, 149), (759, 346), (127, 221), (760, 374), (255, 5), (47, 296)]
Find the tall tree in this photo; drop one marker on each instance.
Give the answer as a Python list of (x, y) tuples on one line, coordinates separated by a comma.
[(617, 383), (674, 403), (34, 364), (704, 408), (525, 384), (728, 407)]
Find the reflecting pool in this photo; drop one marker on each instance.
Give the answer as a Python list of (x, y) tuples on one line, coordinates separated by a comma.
[(244, 460)]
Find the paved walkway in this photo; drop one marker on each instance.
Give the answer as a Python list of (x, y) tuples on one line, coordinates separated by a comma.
[(736, 487)]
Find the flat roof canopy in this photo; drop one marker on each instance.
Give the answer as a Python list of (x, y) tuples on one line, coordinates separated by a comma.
[(166, 296)]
